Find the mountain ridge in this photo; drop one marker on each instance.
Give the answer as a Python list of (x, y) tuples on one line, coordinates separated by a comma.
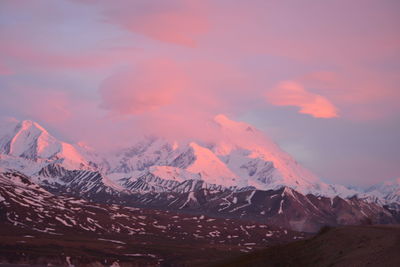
[(242, 158)]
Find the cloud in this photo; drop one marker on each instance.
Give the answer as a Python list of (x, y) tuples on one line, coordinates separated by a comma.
[(46, 57), (70, 48), (45, 104), (175, 21), (173, 99), (144, 87), (4, 70), (45, 37), (290, 93), (361, 93)]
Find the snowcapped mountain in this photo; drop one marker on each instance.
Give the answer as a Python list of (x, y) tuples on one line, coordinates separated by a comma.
[(240, 157), (38, 221), (388, 191), (25, 142), (241, 174), (284, 207)]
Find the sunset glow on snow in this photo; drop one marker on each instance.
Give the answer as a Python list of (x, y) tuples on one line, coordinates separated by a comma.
[(320, 78)]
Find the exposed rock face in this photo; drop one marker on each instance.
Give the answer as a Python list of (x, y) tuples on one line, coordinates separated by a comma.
[(243, 176), (37, 227), (283, 207)]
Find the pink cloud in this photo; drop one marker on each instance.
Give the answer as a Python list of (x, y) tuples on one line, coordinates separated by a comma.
[(26, 51), (147, 86), (311, 35), (290, 93), (60, 37), (4, 70), (166, 101), (45, 104), (360, 93), (177, 21)]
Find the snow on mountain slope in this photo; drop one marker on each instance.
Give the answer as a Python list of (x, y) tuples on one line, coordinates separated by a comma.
[(28, 140), (28, 148), (240, 157), (388, 191), (26, 166), (259, 160), (174, 173), (146, 153), (211, 169)]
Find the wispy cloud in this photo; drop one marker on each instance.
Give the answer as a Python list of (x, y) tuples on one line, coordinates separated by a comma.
[(175, 21), (290, 93), (144, 87)]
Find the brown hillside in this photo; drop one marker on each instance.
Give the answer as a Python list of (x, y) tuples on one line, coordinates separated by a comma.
[(343, 246)]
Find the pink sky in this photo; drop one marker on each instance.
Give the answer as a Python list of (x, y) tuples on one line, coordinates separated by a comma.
[(320, 77)]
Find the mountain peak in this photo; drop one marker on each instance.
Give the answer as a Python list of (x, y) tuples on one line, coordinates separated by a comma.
[(27, 139), (241, 156), (388, 191), (29, 128), (28, 124)]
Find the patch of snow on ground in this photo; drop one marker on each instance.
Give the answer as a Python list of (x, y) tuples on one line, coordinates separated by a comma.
[(113, 241), (280, 207)]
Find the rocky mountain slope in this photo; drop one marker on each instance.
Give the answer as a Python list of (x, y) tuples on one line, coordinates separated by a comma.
[(284, 207), (242, 175), (39, 227), (241, 157), (388, 191)]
